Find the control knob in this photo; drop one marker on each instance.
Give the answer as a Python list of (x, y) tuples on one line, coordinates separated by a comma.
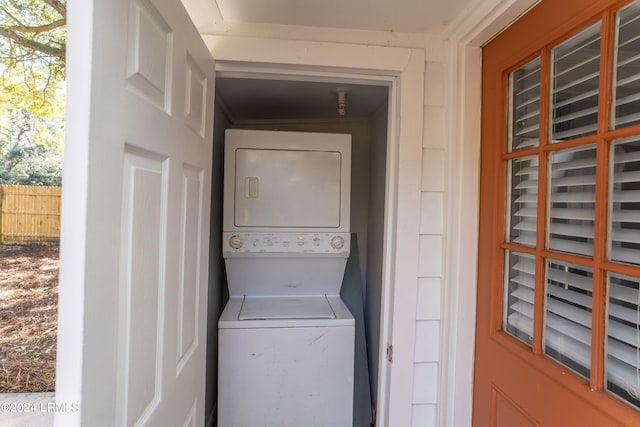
[(337, 242), (235, 242)]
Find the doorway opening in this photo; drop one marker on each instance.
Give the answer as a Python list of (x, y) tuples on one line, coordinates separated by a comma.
[(294, 103)]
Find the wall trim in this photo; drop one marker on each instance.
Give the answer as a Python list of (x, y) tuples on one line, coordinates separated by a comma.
[(482, 21), (310, 55)]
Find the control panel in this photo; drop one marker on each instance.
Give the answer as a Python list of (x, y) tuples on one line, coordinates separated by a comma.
[(248, 242)]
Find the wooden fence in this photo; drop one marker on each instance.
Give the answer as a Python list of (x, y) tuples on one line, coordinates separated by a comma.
[(29, 214)]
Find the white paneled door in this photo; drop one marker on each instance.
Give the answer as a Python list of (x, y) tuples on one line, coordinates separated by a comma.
[(133, 284)]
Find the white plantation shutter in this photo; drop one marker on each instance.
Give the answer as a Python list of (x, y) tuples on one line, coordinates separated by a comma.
[(576, 73), (520, 284), (572, 201), (623, 337), (524, 99), (523, 132), (568, 305), (625, 107), (622, 366), (523, 201), (624, 237), (623, 313)]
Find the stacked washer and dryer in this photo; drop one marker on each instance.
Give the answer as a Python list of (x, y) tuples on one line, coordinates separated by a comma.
[(286, 339)]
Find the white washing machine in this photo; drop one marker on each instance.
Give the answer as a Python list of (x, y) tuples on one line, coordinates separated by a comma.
[(286, 339)]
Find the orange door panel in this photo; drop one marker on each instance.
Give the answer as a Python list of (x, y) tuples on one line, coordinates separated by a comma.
[(517, 382)]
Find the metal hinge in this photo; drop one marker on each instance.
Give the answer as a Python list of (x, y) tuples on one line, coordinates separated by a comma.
[(390, 353)]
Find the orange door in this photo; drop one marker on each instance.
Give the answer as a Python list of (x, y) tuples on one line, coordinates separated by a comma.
[(558, 315)]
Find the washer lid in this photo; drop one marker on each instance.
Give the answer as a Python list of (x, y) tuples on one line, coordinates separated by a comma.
[(286, 307)]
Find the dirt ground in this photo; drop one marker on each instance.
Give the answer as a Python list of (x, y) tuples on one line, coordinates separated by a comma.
[(28, 318)]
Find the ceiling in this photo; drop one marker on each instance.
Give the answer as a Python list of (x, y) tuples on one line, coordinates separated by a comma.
[(254, 99), (411, 16)]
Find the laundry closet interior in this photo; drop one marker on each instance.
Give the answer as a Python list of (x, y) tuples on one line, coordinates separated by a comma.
[(286, 103)]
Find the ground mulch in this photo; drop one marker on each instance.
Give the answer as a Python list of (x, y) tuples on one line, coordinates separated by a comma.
[(28, 318)]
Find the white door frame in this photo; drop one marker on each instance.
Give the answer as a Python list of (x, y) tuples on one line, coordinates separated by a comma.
[(466, 36), (403, 69)]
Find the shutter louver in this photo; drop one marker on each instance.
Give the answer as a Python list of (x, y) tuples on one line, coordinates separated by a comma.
[(524, 104), (624, 202), (523, 201), (576, 73), (519, 296), (625, 106), (572, 201), (568, 305), (623, 338)]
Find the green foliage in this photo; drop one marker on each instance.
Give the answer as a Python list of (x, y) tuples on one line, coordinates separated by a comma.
[(33, 41), (32, 70), (30, 149)]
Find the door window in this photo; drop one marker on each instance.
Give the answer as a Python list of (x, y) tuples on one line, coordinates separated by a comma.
[(571, 284)]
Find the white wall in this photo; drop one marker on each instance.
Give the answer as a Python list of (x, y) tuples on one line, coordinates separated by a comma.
[(430, 272)]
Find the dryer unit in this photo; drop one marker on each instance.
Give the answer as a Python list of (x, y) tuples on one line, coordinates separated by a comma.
[(286, 339)]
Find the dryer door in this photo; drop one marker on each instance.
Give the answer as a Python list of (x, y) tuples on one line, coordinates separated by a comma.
[(287, 188)]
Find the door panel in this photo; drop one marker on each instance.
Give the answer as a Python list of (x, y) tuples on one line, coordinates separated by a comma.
[(142, 290), (146, 197), (190, 258), (505, 411), (516, 381)]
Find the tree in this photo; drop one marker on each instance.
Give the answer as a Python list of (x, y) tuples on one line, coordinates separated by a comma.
[(30, 149), (32, 70), (35, 27), (33, 41)]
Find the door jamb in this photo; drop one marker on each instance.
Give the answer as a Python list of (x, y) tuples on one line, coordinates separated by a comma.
[(255, 72)]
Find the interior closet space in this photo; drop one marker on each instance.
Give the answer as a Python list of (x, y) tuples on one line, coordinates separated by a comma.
[(313, 106)]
